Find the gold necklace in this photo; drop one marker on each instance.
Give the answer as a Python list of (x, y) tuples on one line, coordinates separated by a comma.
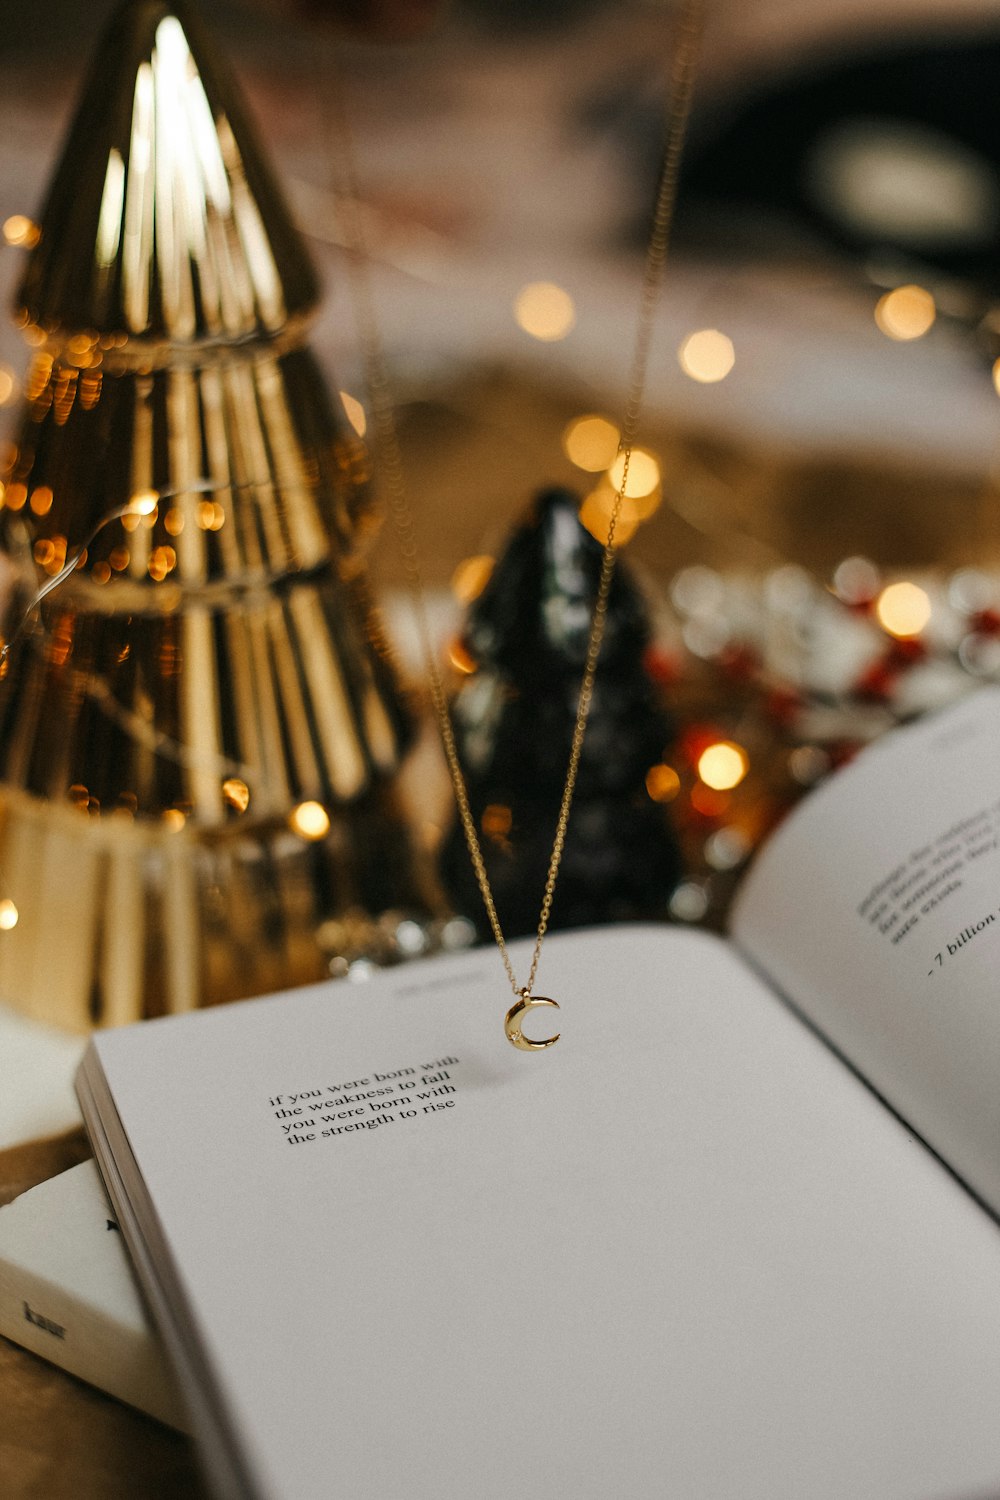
[(393, 485)]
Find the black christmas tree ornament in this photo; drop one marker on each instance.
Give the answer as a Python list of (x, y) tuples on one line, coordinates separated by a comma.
[(527, 635)]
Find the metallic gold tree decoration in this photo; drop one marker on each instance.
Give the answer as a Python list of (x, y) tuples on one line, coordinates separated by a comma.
[(199, 731)]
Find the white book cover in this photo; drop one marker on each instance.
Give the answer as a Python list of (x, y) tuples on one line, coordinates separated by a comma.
[(68, 1294)]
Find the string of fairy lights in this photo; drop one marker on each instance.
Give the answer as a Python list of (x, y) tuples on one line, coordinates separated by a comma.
[(777, 679)]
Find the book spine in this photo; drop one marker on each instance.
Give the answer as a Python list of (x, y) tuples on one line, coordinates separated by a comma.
[(87, 1342)]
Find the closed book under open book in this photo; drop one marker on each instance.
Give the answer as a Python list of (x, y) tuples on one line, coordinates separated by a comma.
[(736, 1235), (67, 1293)]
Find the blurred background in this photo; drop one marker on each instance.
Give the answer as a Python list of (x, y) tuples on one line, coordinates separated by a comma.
[(838, 151), (815, 504)]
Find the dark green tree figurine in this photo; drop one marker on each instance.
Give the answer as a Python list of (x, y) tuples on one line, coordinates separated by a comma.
[(527, 635)]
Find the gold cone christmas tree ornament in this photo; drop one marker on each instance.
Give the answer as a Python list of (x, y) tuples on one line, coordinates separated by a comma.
[(163, 223), (199, 729)]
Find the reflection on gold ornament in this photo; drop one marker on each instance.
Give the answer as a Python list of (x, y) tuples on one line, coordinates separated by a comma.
[(471, 577)]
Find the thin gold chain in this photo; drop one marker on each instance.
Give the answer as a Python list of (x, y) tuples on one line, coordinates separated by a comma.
[(391, 474)]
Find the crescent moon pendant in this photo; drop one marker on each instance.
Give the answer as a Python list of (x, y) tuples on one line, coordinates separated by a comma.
[(516, 1015)]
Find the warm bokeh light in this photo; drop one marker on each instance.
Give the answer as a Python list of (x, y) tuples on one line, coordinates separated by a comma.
[(22, 231), (643, 473), (662, 783), (707, 801), (497, 821), (707, 355), (8, 914), (907, 312), (544, 310), (471, 577), (236, 793), (162, 561), (355, 413), (591, 443), (8, 384), (41, 500), (211, 515), (144, 502), (174, 819), (595, 515), (903, 609), (55, 557), (723, 765), (310, 820)]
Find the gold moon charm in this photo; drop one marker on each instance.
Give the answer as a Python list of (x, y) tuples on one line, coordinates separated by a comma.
[(517, 1013)]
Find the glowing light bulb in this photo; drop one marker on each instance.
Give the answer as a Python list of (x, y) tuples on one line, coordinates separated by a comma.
[(545, 311), (8, 914), (707, 355), (310, 820), (723, 765), (903, 609), (591, 443), (907, 312)]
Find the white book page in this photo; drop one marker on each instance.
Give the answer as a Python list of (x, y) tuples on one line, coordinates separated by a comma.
[(683, 1253), (876, 909)]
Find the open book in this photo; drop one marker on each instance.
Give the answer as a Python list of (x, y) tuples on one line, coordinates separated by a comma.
[(734, 1236)]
